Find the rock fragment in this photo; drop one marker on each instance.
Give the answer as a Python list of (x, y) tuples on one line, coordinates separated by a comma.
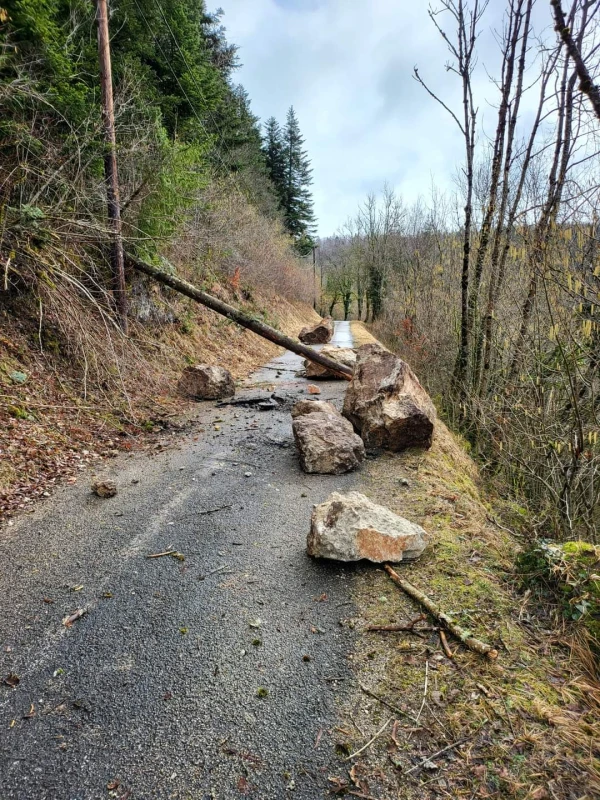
[(203, 382), (320, 333), (313, 406), (346, 356), (327, 443), (386, 403), (350, 527), (104, 488)]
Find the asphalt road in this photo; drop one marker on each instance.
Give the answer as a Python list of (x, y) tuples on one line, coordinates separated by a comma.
[(212, 677)]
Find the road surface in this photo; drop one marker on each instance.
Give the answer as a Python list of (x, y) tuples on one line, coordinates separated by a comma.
[(211, 677)]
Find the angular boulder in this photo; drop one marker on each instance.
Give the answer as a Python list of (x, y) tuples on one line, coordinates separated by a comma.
[(386, 403), (349, 527), (343, 355), (313, 406), (327, 443), (203, 382), (320, 333)]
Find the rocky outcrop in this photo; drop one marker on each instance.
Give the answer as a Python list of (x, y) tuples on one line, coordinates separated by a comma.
[(320, 333), (313, 407), (327, 443), (386, 403), (349, 527), (343, 355), (203, 382)]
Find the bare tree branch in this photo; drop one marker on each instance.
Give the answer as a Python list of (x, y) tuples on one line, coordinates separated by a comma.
[(586, 84)]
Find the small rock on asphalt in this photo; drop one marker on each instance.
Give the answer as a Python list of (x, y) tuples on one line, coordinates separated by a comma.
[(104, 488)]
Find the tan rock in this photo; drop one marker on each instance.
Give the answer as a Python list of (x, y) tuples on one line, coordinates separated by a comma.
[(104, 488), (313, 406), (349, 527), (327, 443), (343, 355), (204, 382), (320, 333), (386, 403)]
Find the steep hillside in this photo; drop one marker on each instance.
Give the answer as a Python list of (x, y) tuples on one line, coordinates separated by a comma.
[(522, 726), (63, 408)]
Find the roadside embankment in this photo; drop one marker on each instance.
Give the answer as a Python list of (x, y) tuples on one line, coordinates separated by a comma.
[(65, 405)]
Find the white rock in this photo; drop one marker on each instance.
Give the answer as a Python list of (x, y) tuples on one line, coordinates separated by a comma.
[(349, 527)]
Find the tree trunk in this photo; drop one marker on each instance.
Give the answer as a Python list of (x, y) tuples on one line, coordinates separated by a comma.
[(245, 320), (111, 178)]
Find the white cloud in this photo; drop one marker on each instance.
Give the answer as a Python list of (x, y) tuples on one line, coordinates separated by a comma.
[(346, 67)]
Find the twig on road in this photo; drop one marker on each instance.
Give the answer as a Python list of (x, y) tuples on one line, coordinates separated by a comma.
[(201, 513), (173, 553), (212, 572)]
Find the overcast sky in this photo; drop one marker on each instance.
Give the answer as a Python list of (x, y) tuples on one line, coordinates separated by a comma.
[(346, 67)]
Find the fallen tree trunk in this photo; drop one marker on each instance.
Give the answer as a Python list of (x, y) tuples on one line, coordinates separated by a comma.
[(461, 634), (245, 320)]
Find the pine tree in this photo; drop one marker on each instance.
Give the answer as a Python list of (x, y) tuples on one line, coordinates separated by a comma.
[(290, 171), (274, 156)]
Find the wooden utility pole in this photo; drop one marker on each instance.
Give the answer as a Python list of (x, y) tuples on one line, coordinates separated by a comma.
[(314, 249), (253, 324), (110, 164)]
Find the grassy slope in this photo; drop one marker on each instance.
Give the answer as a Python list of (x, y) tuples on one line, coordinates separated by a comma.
[(529, 720)]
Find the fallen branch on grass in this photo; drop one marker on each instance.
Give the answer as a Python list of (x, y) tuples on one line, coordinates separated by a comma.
[(461, 634), (370, 742), (389, 705), (445, 645), (439, 753)]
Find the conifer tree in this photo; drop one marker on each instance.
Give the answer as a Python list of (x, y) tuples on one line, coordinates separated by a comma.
[(289, 169), (274, 156), (297, 197)]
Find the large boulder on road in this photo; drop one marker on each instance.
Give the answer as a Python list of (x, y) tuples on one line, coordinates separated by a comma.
[(327, 443), (313, 407), (203, 382), (386, 403), (343, 355), (320, 333), (349, 527)]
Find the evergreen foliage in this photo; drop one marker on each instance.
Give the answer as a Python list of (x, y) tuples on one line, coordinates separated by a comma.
[(180, 117), (290, 171)]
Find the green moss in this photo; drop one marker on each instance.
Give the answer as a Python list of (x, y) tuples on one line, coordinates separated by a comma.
[(19, 413), (571, 572)]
